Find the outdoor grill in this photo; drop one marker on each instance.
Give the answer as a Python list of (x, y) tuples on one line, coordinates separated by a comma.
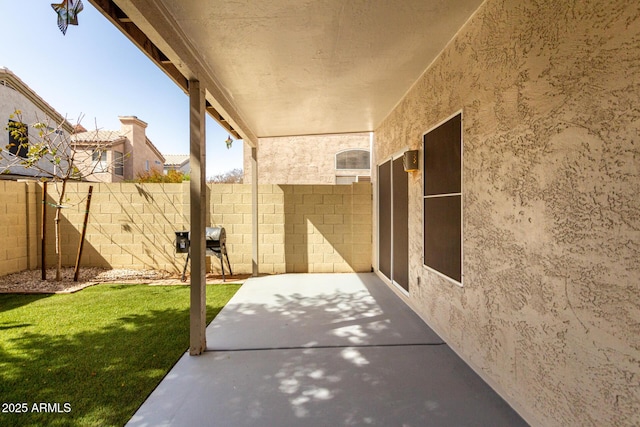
[(216, 245)]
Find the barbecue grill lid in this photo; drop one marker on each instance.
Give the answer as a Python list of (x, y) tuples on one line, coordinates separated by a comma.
[(216, 233)]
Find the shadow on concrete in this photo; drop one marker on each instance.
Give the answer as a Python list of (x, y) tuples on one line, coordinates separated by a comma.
[(315, 220), (319, 350)]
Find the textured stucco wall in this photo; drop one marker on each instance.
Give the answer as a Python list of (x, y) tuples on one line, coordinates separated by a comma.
[(308, 159), (550, 308), (10, 101), (84, 162), (137, 151)]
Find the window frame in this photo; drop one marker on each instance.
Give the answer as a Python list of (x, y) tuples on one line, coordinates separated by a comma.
[(17, 148), (441, 196), (99, 165), (118, 163), (350, 150)]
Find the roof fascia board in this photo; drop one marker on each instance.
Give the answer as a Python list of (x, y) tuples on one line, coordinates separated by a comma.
[(22, 88), (155, 149), (175, 55)]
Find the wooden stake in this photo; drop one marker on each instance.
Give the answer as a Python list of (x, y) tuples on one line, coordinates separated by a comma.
[(84, 232), (44, 231)]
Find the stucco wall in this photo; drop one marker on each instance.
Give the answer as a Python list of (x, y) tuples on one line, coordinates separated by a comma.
[(308, 159), (136, 149), (10, 101), (550, 308), (84, 162)]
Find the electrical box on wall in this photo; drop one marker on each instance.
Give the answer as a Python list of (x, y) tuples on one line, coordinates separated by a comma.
[(410, 161)]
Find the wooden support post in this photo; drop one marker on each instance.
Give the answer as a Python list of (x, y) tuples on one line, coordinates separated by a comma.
[(76, 271), (254, 210), (43, 245), (198, 212)]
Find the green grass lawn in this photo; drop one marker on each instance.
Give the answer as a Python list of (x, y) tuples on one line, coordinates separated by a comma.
[(97, 353)]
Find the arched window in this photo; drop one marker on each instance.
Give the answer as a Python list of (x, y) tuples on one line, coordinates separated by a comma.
[(353, 159)]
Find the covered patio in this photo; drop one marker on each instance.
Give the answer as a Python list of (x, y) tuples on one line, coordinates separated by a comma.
[(322, 350), (523, 256)]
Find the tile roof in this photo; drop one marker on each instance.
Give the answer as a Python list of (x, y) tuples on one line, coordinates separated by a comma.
[(97, 136), (176, 159)]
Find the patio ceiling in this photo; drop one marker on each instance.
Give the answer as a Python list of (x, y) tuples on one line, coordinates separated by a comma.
[(293, 67)]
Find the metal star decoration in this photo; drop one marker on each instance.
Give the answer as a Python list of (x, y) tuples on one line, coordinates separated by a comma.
[(229, 141), (67, 12)]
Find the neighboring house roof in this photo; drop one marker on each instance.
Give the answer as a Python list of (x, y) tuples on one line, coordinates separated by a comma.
[(107, 137), (176, 160), (155, 149), (97, 137), (8, 79)]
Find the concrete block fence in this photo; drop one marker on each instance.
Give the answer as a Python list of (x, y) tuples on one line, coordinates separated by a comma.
[(302, 228)]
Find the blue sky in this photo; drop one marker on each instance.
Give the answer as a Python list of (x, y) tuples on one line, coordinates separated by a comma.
[(96, 71)]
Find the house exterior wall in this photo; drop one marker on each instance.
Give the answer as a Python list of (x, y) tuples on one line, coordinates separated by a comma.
[(10, 101), (84, 162), (306, 159), (139, 151), (185, 168), (549, 310)]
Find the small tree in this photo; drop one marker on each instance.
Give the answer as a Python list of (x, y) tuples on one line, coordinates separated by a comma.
[(233, 176), (52, 154)]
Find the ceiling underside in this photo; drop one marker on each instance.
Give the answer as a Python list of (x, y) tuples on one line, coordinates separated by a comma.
[(296, 67)]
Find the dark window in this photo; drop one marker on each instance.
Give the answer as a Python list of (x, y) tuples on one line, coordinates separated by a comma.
[(99, 159), (353, 159), (118, 163), (443, 198), (18, 139)]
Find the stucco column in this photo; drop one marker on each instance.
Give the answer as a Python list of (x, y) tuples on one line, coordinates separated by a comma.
[(198, 210), (254, 210)]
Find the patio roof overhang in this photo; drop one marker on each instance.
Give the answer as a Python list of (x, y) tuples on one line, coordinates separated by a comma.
[(283, 68), (291, 67)]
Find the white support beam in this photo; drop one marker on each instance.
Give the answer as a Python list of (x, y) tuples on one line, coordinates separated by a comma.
[(198, 210), (254, 209)]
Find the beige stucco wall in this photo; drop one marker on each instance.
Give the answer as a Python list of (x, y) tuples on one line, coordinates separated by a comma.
[(84, 162), (550, 308), (308, 159), (137, 148), (322, 228), (10, 101)]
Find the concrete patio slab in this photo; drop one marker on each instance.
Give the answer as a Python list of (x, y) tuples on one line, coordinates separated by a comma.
[(316, 310), (322, 350)]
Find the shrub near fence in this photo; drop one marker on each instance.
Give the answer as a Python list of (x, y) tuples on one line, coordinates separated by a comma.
[(302, 228)]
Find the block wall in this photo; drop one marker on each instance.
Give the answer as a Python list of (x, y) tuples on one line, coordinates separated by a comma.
[(129, 225), (18, 250), (302, 228)]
